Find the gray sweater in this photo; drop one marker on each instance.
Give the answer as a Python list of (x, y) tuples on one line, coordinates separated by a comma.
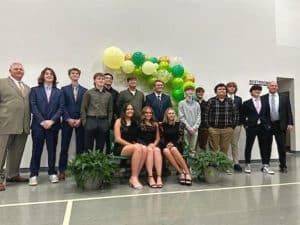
[(189, 113)]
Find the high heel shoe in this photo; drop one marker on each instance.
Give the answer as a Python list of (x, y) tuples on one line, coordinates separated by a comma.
[(188, 181), (151, 185), (181, 178), (137, 187), (159, 185)]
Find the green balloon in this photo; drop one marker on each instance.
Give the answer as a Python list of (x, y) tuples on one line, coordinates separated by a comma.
[(177, 70), (153, 59), (138, 58), (178, 94), (189, 84), (177, 83), (163, 65), (138, 71), (150, 81)]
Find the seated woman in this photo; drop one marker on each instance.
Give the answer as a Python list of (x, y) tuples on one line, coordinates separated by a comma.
[(172, 143), (149, 137), (126, 131)]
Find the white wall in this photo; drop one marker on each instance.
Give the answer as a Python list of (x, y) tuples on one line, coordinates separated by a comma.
[(219, 40)]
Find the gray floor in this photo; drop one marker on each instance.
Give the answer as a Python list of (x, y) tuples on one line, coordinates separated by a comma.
[(238, 199)]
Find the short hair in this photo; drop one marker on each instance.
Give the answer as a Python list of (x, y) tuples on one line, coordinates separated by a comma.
[(219, 85), (98, 75), (41, 78), (74, 69), (255, 87), (131, 78), (232, 84), (158, 81), (14, 64), (109, 74), (200, 89), (189, 87)]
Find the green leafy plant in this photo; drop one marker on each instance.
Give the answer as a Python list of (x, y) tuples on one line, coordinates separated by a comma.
[(92, 165), (201, 161)]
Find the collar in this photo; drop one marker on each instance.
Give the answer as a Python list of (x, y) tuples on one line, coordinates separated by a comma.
[(275, 94), (254, 99), (103, 89), (14, 80), (47, 86), (158, 94)]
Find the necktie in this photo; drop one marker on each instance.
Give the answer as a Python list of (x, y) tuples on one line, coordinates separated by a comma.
[(21, 87), (274, 112), (158, 97), (75, 92)]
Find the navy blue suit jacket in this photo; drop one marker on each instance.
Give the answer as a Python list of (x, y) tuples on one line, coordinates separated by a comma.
[(72, 107), (159, 106), (42, 110)]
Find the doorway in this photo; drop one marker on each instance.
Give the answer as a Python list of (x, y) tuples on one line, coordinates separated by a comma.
[(286, 86)]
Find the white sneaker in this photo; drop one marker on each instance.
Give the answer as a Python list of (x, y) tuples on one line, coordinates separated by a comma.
[(266, 169), (53, 178), (33, 181), (229, 172), (248, 168)]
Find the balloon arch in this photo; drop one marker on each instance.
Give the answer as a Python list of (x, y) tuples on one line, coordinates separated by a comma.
[(150, 68)]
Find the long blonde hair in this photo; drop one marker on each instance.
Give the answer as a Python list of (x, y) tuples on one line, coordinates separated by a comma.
[(166, 120)]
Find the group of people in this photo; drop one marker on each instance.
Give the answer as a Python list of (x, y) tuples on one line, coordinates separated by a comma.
[(145, 128)]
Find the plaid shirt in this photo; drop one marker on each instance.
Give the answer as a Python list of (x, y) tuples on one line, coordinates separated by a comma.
[(221, 114)]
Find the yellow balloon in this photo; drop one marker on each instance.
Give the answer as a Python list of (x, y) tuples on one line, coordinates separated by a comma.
[(128, 56), (189, 77), (113, 57), (128, 66), (164, 59), (148, 68)]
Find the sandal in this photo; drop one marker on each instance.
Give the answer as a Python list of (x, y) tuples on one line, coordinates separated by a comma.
[(151, 185), (181, 179), (188, 181), (157, 184)]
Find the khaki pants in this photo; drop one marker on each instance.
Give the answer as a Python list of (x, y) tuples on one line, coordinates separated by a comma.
[(219, 139), (235, 144), (11, 150), (191, 140)]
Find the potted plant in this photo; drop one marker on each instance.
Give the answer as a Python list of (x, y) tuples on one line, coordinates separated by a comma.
[(209, 165), (92, 169)]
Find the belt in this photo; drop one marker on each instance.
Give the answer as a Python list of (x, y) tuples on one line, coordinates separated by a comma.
[(98, 117)]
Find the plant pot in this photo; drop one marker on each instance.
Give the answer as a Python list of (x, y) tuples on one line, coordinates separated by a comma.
[(212, 175), (92, 183)]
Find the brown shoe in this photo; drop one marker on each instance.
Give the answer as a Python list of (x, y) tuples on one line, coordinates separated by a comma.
[(62, 176), (17, 179), (2, 187)]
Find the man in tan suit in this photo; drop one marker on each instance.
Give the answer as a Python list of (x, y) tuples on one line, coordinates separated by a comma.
[(14, 124)]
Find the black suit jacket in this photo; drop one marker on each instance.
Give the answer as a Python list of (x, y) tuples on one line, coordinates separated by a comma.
[(285, 111), (159, 106), (250, 115)]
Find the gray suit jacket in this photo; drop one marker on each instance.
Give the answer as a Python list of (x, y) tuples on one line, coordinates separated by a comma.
[(14, 108)]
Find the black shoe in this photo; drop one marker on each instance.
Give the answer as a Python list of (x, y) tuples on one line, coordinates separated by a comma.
[(283, 170), (237, 168)]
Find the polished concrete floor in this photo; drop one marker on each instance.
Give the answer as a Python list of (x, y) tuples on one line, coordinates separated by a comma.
[(237, 199)]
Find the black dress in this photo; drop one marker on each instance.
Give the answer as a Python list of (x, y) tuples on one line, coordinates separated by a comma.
[(172, 133), (128, 133), (147, 134)]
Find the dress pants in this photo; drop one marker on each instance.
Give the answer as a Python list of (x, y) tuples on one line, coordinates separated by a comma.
[(280, 137), (235, 144), (202, 138), (95, 129), (11, 151), (191, 140), (39, 136), (261, 133), (66, 136)]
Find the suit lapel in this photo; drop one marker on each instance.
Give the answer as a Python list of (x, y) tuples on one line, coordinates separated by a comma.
[(13, 84)]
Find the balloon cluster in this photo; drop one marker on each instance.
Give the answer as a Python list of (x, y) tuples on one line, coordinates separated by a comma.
[(149, 68)]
